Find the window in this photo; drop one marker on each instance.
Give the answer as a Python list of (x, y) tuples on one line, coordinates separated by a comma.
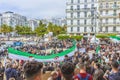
[(107, 5), (107, 12), (78, 1), (92, 6), (106, 21), (92, 22), (71, 22), (115, 13), (78, 7), (78, 22), (85, 0), (85, 21), (85, 6), (100, 29), (72, 1), (92, 0), (114, 21), (101, 12), (71, 29), (114, 29), (101, 5), (115, 4), (92, 29), (85, 29), (71, 15), (78, 14), (71, 8), (92, 13), (85, 14), (106, 29), (78, 29)]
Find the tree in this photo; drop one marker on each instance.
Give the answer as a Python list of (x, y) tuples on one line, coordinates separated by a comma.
[(18, 29), (24, 30), (56, 29), (27, 29), (50, 27), (6, 29), (41, 29)]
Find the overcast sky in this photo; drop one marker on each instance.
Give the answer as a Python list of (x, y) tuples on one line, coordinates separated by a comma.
[(35, 8)]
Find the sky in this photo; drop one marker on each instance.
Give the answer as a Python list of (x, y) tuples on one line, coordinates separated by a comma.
[(38, 9)]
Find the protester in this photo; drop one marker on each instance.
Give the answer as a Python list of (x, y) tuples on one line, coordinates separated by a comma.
[(11, 72), (53, 76), (1, 71), (32, 70), (83, 74), (115, 75), (98, 73), (86, 63), (59, 74), (67, 70)]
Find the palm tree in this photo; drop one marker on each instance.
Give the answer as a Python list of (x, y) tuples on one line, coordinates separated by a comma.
[(41, 29), (50, 27), (6, 29), (18, 29)]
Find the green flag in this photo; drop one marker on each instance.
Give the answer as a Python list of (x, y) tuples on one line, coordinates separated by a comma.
[(97, 49)]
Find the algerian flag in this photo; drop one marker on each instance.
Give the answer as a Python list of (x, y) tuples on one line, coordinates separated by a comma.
[(98, 49)]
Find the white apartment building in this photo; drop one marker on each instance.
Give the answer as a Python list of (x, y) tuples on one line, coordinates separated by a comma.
[(56, 21), (13, 19), (0, 19), (109, 11), (80, 16), (33, 24), (93, 16)]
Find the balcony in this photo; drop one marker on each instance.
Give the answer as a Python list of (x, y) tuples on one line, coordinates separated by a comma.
[(80, 25), (79, 10), (107, 0), (77, 18), (109, 8), (104, 24), (76, 3), (101, 17)]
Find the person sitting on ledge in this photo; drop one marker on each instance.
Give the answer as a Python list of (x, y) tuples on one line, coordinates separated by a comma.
[(32, 70)]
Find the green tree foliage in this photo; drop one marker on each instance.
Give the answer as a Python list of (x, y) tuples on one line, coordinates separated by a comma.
[(56, 29), (6, 29), (41, 29), (18, 29), (24, 30), (64, 37), (107, 35), (76, 37)]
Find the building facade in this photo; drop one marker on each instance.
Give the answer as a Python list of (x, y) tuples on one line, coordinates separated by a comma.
[(109, 11), (80, 16), (0, 19), (33, 24), (13, 19), (56, 21), (93, 16)]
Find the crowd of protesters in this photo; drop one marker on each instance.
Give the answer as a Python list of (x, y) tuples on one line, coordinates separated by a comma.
[(46, 48), (87, 65)]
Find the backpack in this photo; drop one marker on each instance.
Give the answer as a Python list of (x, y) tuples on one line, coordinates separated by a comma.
[(114, 76), (86, 78), (13, 73)]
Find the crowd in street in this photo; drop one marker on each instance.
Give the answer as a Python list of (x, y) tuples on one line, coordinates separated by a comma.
[(87, 65), (46, 48)]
